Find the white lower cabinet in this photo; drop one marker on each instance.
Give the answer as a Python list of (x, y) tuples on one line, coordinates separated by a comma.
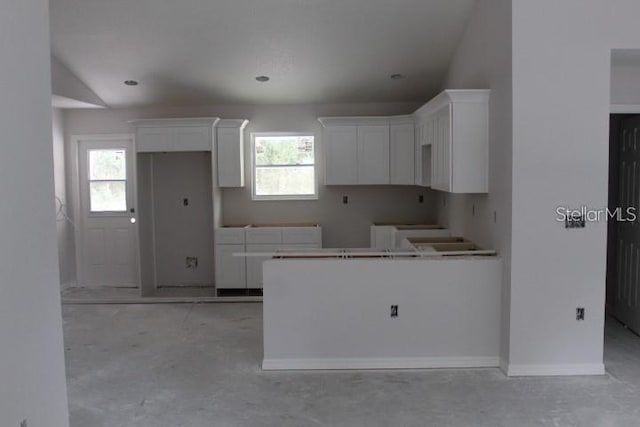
[(234, 272), (254, 264), (230, 270), (383, 236)]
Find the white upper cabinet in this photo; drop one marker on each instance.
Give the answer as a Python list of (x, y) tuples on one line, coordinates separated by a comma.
[(341, 155), (368, 150), (154, 139), (373, 154), (192, 138), (454, 134), (230, 152), (164, 135), (402, 152)]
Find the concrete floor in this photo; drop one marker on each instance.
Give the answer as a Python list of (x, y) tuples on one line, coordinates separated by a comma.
[(198, 365)]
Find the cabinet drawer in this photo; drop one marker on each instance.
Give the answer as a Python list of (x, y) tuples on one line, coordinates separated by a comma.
[(302, 235), (265, 235), (229, 236)]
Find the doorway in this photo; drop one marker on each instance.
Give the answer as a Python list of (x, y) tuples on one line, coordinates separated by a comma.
[(104, 204)]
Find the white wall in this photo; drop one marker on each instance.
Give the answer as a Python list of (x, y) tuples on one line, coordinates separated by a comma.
[(483, 61), (66, 243), (68, 90), (625, 84), (32, 374), (343, 225), (335, 314), (182, 231), (561, 96)]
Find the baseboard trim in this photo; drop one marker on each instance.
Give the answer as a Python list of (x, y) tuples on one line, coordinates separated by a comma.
[(68, 285), (504, 366), (380, 363), (555, 370)]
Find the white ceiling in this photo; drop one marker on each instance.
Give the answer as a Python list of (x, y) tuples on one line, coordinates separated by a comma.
[(210, 51)]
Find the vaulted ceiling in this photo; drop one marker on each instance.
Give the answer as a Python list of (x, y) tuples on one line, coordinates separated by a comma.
[(191, 52)]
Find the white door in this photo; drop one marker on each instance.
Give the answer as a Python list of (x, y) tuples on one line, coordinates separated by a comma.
[(373, 155), (107, 235)]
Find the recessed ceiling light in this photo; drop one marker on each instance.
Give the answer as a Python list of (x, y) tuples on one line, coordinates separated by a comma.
[(131, 83), (396, 77), (263, 79)]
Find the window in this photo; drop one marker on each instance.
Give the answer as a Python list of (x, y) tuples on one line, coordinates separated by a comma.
[(107, 180), (284, 166)]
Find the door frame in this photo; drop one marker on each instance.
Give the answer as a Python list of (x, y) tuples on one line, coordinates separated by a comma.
[(75, 186)]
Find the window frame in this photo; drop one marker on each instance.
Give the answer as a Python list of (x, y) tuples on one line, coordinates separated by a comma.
[(279, 197), (92, 213)]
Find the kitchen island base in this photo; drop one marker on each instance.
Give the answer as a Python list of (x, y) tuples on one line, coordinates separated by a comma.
[(382, 313)]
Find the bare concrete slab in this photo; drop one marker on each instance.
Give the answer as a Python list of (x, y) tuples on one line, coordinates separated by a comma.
[(198, 365)]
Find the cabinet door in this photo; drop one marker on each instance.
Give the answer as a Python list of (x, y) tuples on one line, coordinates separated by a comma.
[(341, 155), (443, 129), (435, 151), (230, 270), (230, 152), (418, 166), (402, 152), (373, 155), (254, 264), (150, 140), (382, 236), (192, 138)]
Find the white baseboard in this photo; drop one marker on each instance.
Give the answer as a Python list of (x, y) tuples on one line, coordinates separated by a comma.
[(380, 363), (555, 370), (504, 366), (68, 285)]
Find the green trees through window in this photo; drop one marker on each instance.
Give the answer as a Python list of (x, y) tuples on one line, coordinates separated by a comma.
[(284, 166), (108, 180)]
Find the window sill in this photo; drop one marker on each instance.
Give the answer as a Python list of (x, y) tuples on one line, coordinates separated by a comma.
[(284, 198)]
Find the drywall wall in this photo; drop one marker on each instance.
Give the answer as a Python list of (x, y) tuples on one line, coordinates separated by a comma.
[(343, 225), (64, 214), (335, 314), (561, 97), (182, 231), (625, 84), (32, 372), (483, 61)]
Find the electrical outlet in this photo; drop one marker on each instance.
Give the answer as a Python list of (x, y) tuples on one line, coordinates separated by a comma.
[(185, 202), (191, 262), (394, 311), (23, 423), (575, 220), (345, 199), (580, 313)]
